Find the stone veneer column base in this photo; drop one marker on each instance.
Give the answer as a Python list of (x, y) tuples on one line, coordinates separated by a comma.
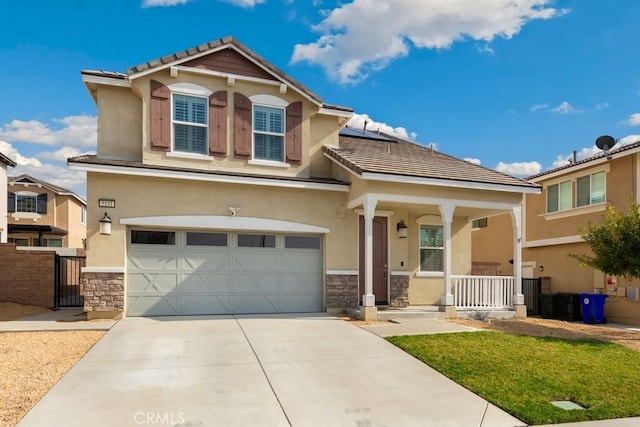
[(399, 297), (103, 295), (341, 291), (449, 311)]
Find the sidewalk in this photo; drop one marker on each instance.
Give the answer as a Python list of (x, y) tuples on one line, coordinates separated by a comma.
[(65, 319)]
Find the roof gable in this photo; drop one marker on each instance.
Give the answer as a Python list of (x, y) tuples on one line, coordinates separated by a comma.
[(229, 61)]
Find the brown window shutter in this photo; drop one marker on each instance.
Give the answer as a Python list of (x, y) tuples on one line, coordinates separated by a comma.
[(160, 116), (242, 125), (218, 123), (294, 132)]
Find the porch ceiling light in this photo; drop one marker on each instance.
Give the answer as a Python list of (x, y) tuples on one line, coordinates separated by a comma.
[(402, 229), (105, 225)]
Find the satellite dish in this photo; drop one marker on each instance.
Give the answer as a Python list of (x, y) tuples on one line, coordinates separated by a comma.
[(605, 142)]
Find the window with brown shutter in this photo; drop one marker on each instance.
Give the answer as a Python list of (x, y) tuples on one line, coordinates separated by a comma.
[(294, 130), (242, 125), (160, 107), (218, 123)]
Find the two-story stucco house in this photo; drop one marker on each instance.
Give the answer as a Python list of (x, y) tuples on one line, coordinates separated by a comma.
[(222, 185), (572, 195), (5, 162), (43, 214)]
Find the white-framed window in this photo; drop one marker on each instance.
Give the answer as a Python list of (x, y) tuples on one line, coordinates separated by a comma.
[(268, 132), (559, 197), (590, 189), (26, 202), (431, 248), (190, 122), (83, 216)]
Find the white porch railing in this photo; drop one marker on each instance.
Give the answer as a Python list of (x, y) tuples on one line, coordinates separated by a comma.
[(483, 292)]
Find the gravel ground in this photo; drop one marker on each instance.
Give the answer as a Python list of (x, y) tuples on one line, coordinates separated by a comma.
[(33, 362), (560, 329)]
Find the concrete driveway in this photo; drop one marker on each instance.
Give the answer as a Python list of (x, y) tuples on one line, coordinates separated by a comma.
[(299, 370)]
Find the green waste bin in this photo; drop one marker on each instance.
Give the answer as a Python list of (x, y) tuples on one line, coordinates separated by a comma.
[(546, 306)]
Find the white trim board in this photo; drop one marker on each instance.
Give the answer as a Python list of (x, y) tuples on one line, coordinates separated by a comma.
[(342, 272), (103, 269), (196, 176), (219, 222), (552, 242)]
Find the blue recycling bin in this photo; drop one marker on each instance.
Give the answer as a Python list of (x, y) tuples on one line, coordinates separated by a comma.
[(593, 308)]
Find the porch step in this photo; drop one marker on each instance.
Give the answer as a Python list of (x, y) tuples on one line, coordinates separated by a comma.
[(386, 314)]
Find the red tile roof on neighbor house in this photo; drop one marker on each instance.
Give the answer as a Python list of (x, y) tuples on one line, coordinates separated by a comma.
[(402, 158)]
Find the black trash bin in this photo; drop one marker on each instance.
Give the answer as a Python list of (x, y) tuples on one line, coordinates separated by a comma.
[(546, 306), (566, 306)]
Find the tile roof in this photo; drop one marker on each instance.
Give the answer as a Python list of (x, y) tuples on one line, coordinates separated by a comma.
[(595, 157), (92, 159), (403, 158)]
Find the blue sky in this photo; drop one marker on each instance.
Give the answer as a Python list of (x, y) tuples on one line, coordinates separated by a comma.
[(515, 85)]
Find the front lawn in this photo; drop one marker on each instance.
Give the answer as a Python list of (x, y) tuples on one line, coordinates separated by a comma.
[(523, 374)]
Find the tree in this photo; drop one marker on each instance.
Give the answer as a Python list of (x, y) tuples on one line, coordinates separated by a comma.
[(615, 243)]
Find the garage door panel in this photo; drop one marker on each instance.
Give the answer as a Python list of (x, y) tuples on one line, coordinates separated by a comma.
[(179, 279)]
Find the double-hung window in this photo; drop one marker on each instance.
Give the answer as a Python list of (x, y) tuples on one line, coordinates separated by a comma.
[(559, 197), (26, 203), (590, 189), (268, 133), (190, 123), (431, 248)]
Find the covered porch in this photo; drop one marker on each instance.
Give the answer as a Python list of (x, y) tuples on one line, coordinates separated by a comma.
[(439, 231)]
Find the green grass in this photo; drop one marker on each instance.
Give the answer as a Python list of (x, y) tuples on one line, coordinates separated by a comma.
[(522, 374)]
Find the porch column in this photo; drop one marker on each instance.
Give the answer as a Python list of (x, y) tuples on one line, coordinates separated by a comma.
[(446, 212), (368, 299), (518, 296)]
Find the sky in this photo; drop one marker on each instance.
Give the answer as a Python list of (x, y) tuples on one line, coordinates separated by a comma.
[(514, 85)]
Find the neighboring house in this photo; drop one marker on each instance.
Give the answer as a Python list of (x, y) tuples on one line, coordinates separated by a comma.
[(221, 185), (4, 163), (572, 195), (43, 214)]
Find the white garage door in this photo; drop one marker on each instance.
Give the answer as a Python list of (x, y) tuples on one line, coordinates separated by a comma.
[(194, 272)]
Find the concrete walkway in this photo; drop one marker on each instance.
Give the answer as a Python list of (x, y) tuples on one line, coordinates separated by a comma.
[(64, 319), (416, 326), (305, 370)]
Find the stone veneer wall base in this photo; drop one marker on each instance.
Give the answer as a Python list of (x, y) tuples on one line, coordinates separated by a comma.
[(103, 295)]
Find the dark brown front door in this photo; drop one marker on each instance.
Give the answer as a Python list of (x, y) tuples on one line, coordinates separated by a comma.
[(379, 259)]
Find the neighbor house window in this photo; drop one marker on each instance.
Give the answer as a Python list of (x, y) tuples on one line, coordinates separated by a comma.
[(431, 248), (83, 216), (559, 197), (479, 223), (590, 189), (190, 122), (26, 203), (268, 133)]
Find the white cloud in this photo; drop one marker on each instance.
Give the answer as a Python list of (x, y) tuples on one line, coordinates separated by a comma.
[(564, 108), (60, 155), (519, 168), (9, 150), (75, 131), (633, 120), (162, 3), (362, 36), (537, 107), (582, 154), (245, 3), (626, 140), (472, 160), (357, 122)]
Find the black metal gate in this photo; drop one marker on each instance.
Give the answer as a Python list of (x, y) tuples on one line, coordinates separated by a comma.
[(68, 289), (532, 288)]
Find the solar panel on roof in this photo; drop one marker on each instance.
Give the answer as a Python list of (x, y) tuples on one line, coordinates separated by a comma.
[(359, 133)]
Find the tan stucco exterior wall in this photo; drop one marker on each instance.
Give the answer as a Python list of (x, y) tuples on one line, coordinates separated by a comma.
[(495, 242), (165, 197), (119, 123)]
